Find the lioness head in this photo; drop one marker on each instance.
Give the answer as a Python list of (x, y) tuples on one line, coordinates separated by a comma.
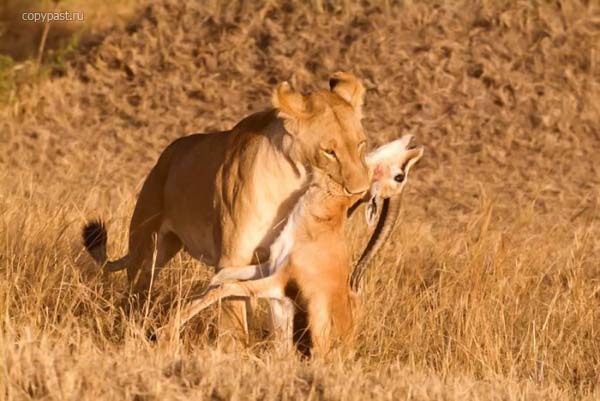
[(328, 135)]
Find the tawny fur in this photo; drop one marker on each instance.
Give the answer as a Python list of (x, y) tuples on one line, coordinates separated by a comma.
[(314, 274), (222, 195), (309, 261)]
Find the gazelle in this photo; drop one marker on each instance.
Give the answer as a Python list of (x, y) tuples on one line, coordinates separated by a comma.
[(309, 265)]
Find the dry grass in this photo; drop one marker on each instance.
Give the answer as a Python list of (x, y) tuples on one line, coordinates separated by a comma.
[(21, 39), (31, 52), (491, 287)]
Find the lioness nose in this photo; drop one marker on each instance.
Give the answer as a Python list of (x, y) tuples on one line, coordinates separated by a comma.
[(357, 180)]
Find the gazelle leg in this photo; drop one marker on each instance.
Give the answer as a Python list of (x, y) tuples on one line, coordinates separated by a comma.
[(251, 272), (269, 287)]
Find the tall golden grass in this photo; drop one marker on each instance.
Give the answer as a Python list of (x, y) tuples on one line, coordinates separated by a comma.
[(21, 39), (490, 287)]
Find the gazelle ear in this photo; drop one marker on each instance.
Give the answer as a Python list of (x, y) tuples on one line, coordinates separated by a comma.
[(291, 104), (349, 88), (413, 156)]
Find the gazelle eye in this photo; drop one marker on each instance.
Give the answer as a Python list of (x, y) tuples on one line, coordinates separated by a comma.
[(399, 177)]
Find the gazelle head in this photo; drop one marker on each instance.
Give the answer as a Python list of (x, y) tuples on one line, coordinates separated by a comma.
[(389, 165)]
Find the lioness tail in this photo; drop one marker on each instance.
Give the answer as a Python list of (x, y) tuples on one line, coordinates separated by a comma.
[(95, 238)]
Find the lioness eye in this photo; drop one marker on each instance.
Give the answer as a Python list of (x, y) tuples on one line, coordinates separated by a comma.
[(330, 153)]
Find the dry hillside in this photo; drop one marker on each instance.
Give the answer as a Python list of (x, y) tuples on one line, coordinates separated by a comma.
[(490, 288)]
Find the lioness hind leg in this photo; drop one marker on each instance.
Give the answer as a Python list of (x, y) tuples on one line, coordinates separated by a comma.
[(150, 258)]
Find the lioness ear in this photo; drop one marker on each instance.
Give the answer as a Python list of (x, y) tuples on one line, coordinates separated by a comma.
[(291, 104), (349, 88)]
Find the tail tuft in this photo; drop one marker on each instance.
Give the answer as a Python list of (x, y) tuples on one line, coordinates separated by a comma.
[(95, 239), (94, 234)]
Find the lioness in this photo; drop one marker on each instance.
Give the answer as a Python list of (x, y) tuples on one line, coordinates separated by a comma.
[(310, 262), (221, 195)]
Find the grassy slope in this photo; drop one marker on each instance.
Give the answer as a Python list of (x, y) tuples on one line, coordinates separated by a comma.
[(492, 287), (22, 43)]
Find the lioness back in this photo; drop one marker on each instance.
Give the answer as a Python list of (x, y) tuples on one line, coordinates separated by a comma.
[(211, 181)]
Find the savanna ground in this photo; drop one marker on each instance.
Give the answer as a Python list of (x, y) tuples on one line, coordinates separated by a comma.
[(489, 289)]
